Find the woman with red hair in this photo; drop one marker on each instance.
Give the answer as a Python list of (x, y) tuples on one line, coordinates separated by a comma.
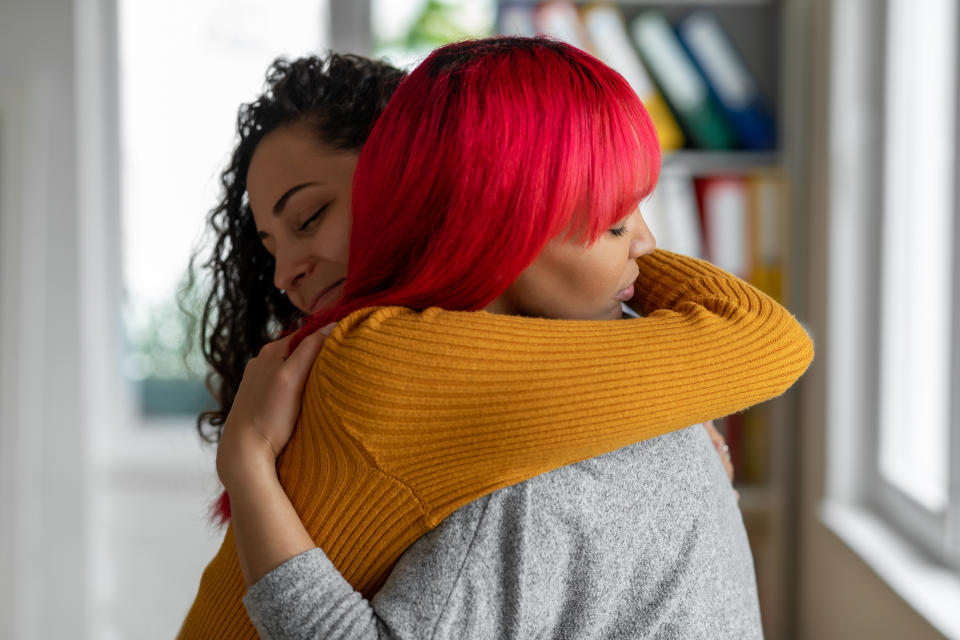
[(502, 180)]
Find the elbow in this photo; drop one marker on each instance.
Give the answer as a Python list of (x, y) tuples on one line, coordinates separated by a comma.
[(795, 350)]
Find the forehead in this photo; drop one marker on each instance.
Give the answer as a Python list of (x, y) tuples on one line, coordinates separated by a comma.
[(291, 156)]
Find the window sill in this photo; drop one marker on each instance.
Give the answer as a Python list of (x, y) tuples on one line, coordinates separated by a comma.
[(931, 589)]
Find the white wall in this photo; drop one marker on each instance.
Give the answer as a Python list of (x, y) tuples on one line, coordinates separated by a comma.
[(43, 477), (103, 531), (90, 546)]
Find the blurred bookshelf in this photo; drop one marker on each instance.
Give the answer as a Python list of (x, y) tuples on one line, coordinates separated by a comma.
[(690, 3), (699, 163), (732, 140)]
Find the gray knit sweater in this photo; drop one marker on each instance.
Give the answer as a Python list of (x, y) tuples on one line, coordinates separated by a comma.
[(643, 542)]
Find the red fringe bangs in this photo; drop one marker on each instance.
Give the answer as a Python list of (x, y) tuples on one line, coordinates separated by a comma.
[(486, 151)]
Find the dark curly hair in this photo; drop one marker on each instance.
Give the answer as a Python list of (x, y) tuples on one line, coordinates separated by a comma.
[(340, 96)]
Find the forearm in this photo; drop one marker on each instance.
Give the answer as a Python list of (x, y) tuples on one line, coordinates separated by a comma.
[(267, 529), (501, 398)]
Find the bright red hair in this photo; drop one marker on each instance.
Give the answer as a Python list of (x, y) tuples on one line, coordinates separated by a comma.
[(488, 150), (485, 152)]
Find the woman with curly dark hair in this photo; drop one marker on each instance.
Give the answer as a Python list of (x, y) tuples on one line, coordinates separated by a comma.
[(333, 101), (503, 180)]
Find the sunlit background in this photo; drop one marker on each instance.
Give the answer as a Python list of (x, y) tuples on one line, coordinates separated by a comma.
[(809, 147)]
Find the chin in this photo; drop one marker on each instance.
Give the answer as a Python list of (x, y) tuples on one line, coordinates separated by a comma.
[(299, 307), (613, 313)]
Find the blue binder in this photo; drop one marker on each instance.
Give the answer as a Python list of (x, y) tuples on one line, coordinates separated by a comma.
[(729, 80)]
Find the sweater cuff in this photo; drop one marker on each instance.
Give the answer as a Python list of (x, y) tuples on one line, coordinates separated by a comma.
[(665, 278), (303, 597)]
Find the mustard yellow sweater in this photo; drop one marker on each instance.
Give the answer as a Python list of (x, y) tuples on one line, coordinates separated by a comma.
[(407, 415)]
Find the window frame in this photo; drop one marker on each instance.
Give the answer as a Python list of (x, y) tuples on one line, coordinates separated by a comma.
[(839, 480), (928, 529)]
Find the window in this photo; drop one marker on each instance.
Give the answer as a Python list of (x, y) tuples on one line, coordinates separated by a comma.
[(185, 67), (913, 459), (892, 300)]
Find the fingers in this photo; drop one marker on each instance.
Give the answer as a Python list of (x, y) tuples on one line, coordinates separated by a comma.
[(721, 447), (327, 330), (727, 463), (280, 347), (276, 356), (306, 353), (714, 434)]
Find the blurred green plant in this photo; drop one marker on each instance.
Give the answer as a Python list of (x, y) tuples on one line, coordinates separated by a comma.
[(437, 23), (163, 355), (162, 337), (440, 22)]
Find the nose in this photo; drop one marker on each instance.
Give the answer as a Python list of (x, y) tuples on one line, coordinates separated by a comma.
[(643, 242), (292, 265)]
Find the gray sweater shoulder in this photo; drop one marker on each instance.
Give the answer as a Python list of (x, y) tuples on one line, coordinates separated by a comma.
[(643, 542)]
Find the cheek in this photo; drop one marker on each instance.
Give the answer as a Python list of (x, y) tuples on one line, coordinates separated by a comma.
[(596, 278), (332, 239), (570, 291), (569, 283), (594, 284)]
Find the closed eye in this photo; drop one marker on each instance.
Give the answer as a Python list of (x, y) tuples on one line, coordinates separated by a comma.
[(314, 218), (619, 231)]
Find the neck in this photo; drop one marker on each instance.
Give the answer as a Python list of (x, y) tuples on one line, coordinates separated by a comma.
[(500, 305)]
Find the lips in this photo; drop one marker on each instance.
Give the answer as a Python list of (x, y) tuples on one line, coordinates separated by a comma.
[(625, 294), (324, 295)]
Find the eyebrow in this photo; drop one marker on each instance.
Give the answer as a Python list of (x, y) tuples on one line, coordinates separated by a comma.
[(282, 202)]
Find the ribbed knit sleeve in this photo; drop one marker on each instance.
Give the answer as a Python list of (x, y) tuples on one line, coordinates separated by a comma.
[(407, 416), (459, 404)]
